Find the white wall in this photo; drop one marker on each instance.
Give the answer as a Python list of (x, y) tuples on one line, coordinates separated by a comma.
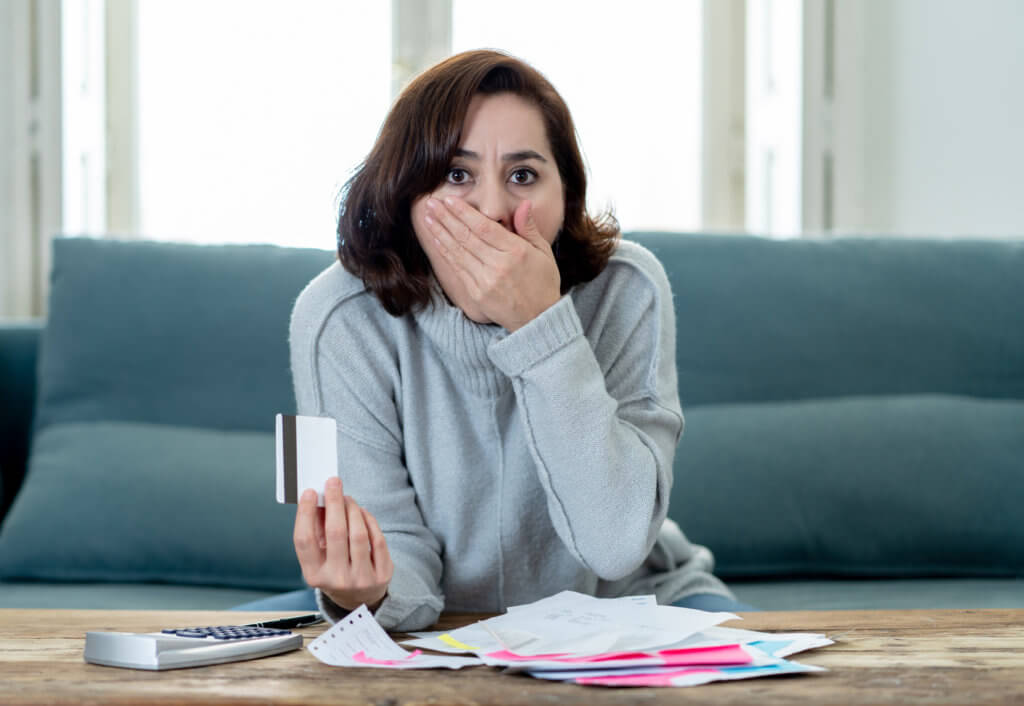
[(944, 117)]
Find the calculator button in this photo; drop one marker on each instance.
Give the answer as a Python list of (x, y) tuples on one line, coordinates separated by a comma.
[(225, 632)]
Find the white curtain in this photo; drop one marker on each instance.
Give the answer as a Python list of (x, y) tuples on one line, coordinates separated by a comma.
[(30, 142)]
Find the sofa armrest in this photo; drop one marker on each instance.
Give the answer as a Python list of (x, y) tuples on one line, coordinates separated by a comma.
[(19, 351)]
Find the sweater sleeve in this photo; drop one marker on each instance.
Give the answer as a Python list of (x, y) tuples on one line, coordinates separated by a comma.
[(602, 415), (340, 370)]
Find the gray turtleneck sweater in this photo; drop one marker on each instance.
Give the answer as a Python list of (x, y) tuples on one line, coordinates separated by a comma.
[(505, 467)]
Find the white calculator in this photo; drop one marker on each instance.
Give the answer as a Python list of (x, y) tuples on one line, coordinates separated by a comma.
[(187, 647)]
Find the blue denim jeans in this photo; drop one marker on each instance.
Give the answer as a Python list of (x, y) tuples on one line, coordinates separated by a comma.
[(303, 601), (714, 603)]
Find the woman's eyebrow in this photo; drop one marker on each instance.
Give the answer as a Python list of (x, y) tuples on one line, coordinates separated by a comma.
[(520, 156)]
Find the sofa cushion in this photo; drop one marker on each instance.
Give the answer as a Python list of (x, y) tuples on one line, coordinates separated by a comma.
[(873, 486), (122, 501), (170, 333)]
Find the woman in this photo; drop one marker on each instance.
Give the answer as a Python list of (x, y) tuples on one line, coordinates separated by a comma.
[(500, 367)]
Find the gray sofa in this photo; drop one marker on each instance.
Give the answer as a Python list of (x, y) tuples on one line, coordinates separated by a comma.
[(854, 438)]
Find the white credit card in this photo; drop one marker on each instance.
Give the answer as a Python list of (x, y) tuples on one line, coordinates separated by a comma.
[(307, 455)]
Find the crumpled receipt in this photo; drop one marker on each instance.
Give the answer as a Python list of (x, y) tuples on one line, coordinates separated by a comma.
[(359, 641)]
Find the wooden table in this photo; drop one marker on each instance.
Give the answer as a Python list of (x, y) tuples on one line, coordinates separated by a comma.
[(881, 657)]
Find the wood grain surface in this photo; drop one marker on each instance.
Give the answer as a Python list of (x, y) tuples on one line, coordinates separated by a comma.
[(881, 657)]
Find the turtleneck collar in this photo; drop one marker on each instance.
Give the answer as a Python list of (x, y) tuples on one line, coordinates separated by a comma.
[(463, 344)]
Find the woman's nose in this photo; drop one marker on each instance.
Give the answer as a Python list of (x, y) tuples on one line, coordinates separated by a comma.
[(492, 201)]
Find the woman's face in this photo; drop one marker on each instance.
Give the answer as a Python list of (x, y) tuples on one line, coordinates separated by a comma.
[(504, 159)]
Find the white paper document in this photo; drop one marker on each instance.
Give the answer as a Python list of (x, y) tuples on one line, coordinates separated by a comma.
[(471, 638), (358, 641), (674, 676), (577, 638), (576, 623), (779, 644)]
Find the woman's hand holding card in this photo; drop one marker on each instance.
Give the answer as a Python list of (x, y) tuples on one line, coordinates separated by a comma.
[(341, 549)]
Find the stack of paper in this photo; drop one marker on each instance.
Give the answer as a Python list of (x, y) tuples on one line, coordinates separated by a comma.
[(573, 637)]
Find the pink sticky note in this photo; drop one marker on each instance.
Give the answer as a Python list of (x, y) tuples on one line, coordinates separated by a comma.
[(680, 657), (719, 654), (360, 656), (513, 657)]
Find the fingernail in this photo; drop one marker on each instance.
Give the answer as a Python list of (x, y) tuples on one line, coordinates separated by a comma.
[(333, 482), (308, 495), (448, 200), (431, 204), (429, 220)]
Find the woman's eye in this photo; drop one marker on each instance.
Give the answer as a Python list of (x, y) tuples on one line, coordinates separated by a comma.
[(524, 176), (457, 175)]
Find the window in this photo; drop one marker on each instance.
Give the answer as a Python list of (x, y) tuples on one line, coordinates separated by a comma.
[(252, 114), (240, 121), (631, 74)]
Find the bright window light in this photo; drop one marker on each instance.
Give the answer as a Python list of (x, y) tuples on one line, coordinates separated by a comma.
[(252, 114), (631, 74)]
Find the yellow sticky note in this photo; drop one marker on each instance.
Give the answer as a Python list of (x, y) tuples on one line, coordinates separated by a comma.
[(449, 640)]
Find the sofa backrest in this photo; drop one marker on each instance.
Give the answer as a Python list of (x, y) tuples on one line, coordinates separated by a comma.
[(168, 333), (764, 320), (19, 347)]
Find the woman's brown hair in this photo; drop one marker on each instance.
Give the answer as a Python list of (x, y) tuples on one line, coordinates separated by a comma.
[(414, 150)]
